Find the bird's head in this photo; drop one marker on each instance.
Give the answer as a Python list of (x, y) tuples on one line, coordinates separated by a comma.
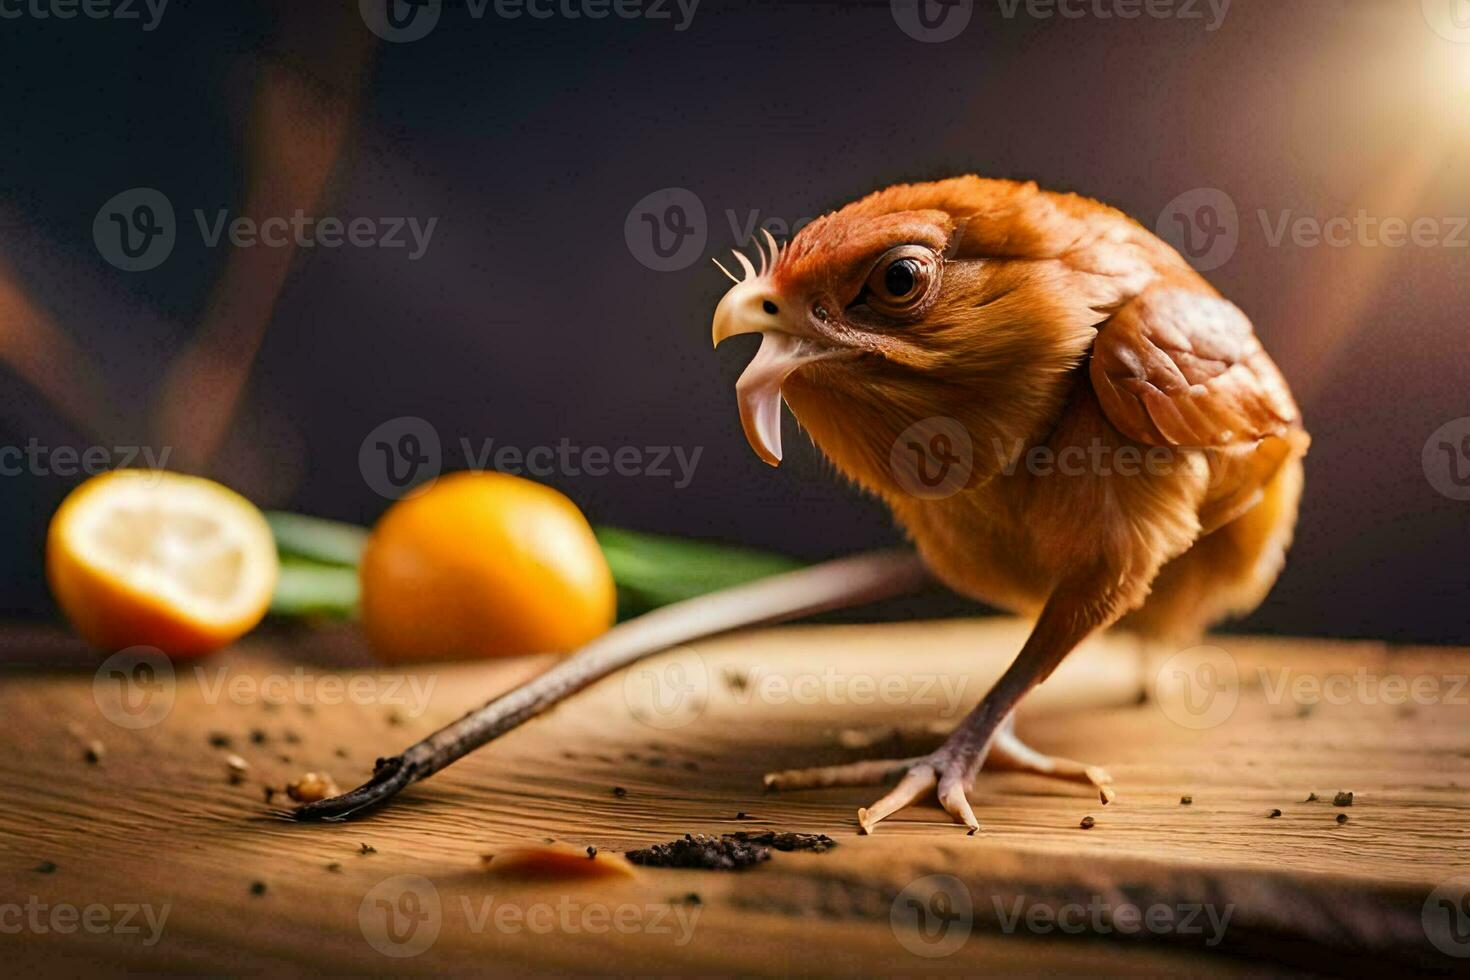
[(968, 300)]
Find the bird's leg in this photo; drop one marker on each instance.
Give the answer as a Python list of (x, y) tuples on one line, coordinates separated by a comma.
[(1072, 612)]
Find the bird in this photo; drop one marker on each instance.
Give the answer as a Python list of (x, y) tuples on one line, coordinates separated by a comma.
[(1063, 416)]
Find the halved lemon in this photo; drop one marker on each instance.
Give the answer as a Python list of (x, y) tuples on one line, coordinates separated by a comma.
[(146, 557)]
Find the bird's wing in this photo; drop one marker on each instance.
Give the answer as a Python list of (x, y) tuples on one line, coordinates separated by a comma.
[(1179, 366)]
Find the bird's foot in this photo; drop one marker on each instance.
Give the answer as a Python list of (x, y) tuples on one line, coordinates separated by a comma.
[(950, 769)]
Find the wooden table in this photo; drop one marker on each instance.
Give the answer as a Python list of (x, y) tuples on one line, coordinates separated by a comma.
[(157, 857)]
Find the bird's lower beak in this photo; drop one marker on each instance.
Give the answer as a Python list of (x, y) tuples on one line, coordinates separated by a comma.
[(786, 344)]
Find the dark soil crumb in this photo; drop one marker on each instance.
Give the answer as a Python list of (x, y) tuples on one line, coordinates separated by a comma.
[(1186, 801), (693, 899), (257, 736), (742, 815), (619, 792), (220, 740), (591, 851), (366, 849), (1088, 823), (93, 752), (394, 718), (736, 680), (45, 868), (257, 888), (1342, 818), (691, 765), (341, 752), (703, 852), (291, 737), (270, 793), (1275, 813), (1311, 798), (335, 867), (1343, 799), (817, 843)]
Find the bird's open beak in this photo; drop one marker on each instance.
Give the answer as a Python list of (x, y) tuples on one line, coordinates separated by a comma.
[(753, 306)]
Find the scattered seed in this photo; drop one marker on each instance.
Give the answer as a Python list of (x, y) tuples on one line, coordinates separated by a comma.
[(619, 792), (486, 858), (1342, 818), (312, 787), (367, 849), (45, 868), (341, 752), (335, 867), (591, 852), (394, 718), (817, 843), (284, 758), (693, 899), (1343, 799), (1088, 823), (691, 766), (1311, 798), (700, 851), (220, 740), (257, 888), (257, 736), (291, 737), (270, 793), (742, 815), (235, 763), (736, 679), (1186, 801), (1275, 813), (93, 752)]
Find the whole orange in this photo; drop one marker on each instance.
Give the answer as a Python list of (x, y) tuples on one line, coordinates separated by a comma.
[(483, 564)]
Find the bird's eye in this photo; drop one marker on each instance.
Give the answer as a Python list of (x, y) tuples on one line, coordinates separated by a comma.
[(901, 279)]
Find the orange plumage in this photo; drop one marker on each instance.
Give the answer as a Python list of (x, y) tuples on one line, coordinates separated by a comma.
[(1125, 448)]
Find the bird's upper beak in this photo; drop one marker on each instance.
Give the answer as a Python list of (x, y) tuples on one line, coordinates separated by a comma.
[(754, 306)]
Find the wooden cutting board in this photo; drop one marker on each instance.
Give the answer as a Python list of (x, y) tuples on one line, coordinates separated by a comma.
[(157, 857)]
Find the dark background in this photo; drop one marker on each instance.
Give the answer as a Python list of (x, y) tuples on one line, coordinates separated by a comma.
[(531, 320)]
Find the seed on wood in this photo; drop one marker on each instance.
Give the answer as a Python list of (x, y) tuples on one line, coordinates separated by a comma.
[(312, 787), (93, 752), (1088, 823), (1186, 800), (45, 868), (341, 752), (394, 718), (291, 737), (1311, 798), (1343, 799), (619, 792), (335, 867), (367, 849), (270, 793), (742, 815), (693, 899), (591, 852), (257, 736), (1342, 818), (1275, 813), (257, 888), (220, 740)]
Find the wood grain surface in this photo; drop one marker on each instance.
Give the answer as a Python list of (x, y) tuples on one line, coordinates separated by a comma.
[(156, 857)]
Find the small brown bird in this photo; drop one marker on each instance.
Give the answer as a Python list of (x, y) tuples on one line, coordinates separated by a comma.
[(1067, 420)]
